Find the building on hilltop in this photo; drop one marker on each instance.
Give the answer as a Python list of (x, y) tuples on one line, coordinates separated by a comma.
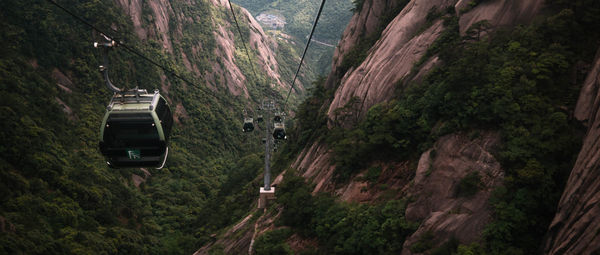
[(271, 21)]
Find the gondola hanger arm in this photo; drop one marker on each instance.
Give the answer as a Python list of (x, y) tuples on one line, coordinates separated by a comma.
[(104, 68)]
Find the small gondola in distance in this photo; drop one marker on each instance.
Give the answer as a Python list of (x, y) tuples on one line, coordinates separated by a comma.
[(279, 131), (248, 125)]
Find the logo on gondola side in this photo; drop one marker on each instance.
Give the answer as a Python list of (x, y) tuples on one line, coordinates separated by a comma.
[(134, 154)]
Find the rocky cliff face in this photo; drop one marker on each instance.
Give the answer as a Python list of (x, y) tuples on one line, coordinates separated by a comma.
[(388, 62), (362, 24), (167, 26), (161, 13), (441, 203), (576, 226), (402, 44), (392, 57), (258, 42), (239, 238), (498, 13)]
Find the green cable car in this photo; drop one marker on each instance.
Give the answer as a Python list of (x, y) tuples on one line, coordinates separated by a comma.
[(137, 124), (248, 125), (279, 131), (135, 130)]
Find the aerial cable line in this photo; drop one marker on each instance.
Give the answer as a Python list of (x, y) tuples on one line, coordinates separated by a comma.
[(304, 53), (242, 37), (130, 49)]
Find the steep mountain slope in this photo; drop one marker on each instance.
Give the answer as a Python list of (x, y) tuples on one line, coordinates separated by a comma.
[(451, 123), (390, 60), (57, 194), (402, 44), (191, 51), (574, 229), (299, 16)]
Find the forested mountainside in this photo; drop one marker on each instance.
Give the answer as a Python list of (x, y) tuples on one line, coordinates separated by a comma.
[(299, 16), (57, 196), (444, 127)]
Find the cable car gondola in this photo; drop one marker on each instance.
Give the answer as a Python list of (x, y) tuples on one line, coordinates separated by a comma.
[(279, 131), (137, 124), (278, 127), (135, 130), (248, 125)]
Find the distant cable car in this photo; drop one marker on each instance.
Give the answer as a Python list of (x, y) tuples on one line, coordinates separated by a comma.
[(279, 131), (248, 124), (135, 130)]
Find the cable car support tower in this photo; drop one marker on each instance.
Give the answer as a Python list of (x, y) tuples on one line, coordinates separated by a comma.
[(267, 192)]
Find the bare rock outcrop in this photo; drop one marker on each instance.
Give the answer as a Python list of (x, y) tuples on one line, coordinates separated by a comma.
[(263, 46), (66, 109), (62, 81), (438, 202), (314, 163), (373, 81), (239, 238), (576, 225), (166, 26), (390, 59), (180, 114), (65, 84), (498, 13), (133, 8), (390, 184), (137, 179), (227, 73), (239, 245), (362, 24), (401, 45), (161, 10), (445, 210)]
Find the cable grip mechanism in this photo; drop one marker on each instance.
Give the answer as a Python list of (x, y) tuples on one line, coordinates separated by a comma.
[(104, 68)]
